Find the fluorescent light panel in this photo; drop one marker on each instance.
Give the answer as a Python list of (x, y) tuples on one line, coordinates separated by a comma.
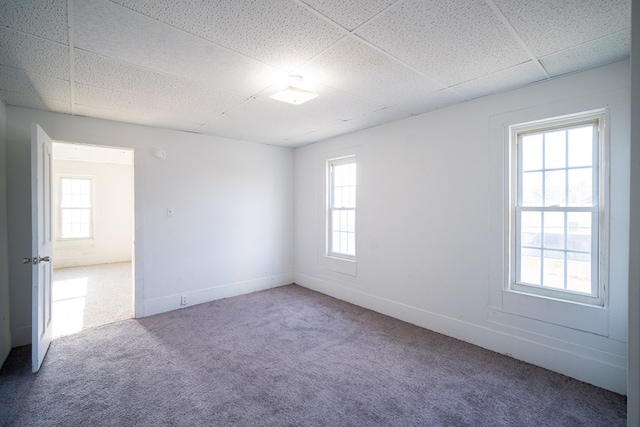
[(293, 94)]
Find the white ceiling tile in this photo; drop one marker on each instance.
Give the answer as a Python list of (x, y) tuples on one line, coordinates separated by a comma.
[(589, 55), (548, 26), (340, 129), (442, 98), (238, 127), (110, 100), (349, 14), (451, 41), (107, 73), (354, 67), (281, 118), (511, 78), (117, 32), (46, 19), (330, 103), (282, 34), (150, 118), (36, 85), (140, 105), (379, 117), (36, 102), (33, 54)]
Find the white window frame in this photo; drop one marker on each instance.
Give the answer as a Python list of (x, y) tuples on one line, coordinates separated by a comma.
[(60, 208), (331, 208), (599, 240)]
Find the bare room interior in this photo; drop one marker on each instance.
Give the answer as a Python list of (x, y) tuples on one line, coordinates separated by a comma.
[(313, 212)]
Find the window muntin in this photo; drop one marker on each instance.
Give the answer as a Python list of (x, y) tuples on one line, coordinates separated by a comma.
[(341, 216), (76, 207), (558, 210)]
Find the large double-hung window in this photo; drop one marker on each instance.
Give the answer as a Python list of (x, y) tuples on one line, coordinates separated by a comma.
[(341, 218), (558, 208)]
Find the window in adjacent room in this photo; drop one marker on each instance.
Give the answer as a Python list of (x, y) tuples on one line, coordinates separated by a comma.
[(76, 207), (341, 217), (558, 209)]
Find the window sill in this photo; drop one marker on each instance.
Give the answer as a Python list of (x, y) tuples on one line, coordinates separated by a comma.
[(75, 242), (339, 265), (574, 315)]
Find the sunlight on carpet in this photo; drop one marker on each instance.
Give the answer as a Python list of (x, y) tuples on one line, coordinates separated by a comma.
[(69, 297), (90, 296)]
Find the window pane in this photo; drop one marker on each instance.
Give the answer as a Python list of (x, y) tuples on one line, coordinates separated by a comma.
[(554, 230), (337, 198), (75, 223), (579, 272), (530, 266), (579, 231), (344, 243), (554, 188), (352, 197), (532, 189), (553, 275), (531, 229), (351, 225), (580, 146), (580, 187), (337, 175), (343, 220), (531, 152), (335, 221), (335, 242), (555, 150)]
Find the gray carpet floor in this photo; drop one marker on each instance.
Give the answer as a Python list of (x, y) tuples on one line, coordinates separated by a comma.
[(90, 296), (287, 357)]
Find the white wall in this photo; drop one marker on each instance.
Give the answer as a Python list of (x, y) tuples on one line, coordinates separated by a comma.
[(112, 239), (5, 334), (233, 226), (430, 191)]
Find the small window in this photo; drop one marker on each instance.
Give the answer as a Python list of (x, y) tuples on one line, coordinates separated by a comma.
[(341, 218), (558, 209), (76, 207)]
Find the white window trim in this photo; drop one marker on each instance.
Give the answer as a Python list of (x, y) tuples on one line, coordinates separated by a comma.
[(343, 264), (509, 307), (58, 201), (600, 243)]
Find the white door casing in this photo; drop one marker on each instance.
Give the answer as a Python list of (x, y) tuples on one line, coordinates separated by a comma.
[(41, 243)]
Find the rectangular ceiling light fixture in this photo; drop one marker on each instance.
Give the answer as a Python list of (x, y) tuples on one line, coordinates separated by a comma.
[(293, 94)]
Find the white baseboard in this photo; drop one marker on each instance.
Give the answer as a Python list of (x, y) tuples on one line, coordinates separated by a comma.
[(608, 374), (21, 336), (172, 302)]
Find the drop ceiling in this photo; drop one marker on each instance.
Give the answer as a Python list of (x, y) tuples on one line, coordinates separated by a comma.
[(210, 66)]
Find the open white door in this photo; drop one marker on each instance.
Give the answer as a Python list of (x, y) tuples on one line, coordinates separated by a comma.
[(41, 243)]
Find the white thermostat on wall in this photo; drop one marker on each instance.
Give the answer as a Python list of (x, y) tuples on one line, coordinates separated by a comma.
[(161, 154)]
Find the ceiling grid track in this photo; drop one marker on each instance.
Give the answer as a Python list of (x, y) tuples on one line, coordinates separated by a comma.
[(353, 34), (72, 56), (516, 36), (182, 30)]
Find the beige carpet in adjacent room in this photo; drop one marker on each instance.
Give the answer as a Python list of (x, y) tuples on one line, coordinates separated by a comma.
[(90, 296)]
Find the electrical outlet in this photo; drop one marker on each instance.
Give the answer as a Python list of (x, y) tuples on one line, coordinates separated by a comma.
[(169, 211), (183, 300)]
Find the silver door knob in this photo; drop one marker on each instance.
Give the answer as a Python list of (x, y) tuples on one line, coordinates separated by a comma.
[(44, 259), (29, 260)]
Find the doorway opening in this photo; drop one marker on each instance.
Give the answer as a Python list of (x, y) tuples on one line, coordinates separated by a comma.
[(93, 230)]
